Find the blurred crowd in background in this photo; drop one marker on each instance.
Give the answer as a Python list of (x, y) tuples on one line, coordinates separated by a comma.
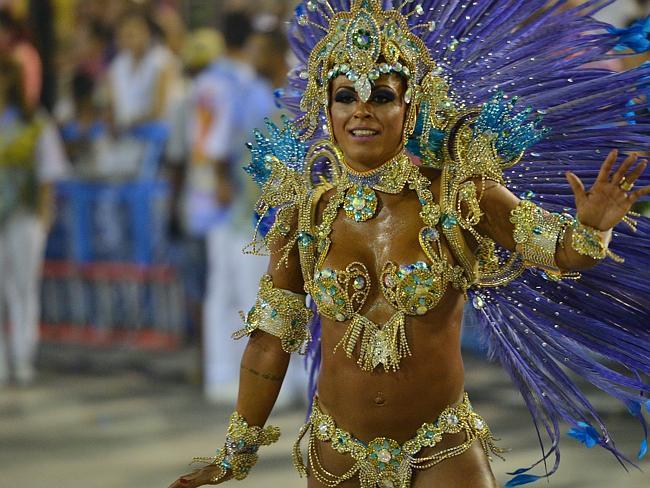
[(123, 206)]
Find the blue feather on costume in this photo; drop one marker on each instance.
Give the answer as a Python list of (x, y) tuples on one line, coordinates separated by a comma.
[(636, 37), (512, 132), (282, 143), (585, 434)]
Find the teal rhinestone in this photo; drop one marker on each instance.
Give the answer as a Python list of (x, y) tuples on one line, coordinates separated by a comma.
[(305, 239), (449, 221), (527, 195), (537, 230)]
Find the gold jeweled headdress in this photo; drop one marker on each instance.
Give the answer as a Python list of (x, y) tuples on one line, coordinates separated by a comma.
[(363, 44)]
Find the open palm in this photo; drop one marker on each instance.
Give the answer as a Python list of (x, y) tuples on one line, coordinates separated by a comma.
[(606, 203)]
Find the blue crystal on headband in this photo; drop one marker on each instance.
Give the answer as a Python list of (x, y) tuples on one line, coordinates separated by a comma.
[(282, 143), (513, 132)]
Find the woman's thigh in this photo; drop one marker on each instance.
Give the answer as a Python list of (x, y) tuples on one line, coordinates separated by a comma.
[(469, 470), (335, 463)]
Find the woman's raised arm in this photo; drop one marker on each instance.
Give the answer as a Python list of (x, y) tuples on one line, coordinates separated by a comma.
[(572, 244)]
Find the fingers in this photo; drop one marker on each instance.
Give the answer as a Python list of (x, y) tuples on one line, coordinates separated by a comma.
[(636, 172), (641, 192), (181, 483), (624, 167), (577, 187), (191, 480), (606, 168)]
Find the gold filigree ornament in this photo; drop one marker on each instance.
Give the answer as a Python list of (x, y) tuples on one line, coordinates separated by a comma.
[(363, 44)]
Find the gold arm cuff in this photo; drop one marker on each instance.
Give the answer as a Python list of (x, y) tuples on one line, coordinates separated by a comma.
[(239, 453), (537, 233), (280, 313)]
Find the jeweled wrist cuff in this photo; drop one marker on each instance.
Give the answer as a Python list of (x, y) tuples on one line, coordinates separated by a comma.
[(537, 233), (239, 454), (280, 313), (587, 241)]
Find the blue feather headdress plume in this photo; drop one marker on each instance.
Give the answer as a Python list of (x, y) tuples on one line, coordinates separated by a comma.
[(541, 331)]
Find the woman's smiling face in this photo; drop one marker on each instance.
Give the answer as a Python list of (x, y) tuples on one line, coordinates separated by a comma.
[(370, 133)]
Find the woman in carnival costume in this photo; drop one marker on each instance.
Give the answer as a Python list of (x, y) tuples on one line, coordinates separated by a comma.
[(405, 194)]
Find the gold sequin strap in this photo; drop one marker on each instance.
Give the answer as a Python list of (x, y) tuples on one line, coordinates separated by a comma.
[(280, 313), (383, 461), (239, 454)]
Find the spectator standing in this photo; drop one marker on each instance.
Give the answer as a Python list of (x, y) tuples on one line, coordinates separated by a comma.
[(227, 104), (141, 75), (31, 159), (141, 81)]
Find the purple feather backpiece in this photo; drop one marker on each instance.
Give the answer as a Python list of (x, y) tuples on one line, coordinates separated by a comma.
[(544, 332)]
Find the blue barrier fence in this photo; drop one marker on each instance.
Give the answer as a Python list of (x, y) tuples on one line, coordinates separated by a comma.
[(108, 275)]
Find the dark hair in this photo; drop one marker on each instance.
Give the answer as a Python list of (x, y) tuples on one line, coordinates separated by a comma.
[(100, 32), (10, 70), (83, 85), (237, 28)]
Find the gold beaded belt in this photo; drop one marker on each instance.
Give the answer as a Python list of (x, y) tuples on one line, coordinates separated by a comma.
[(384, 462)]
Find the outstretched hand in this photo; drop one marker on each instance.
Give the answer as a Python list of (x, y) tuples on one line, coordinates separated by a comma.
[(611, 197), (200, 477)]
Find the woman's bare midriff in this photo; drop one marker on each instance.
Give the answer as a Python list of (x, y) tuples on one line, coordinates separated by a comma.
[(396, 404), (379, 403)]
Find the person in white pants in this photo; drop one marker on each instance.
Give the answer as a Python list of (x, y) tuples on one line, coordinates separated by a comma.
[(31, 158)]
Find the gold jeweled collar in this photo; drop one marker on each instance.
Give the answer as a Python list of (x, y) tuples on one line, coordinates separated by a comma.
[(361, 187)]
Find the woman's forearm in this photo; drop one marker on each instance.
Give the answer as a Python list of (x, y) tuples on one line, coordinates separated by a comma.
[(263, 367), (568, 259)]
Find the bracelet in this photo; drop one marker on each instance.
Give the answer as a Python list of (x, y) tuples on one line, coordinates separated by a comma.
[(587, 241), (280, 313), (239, 454)]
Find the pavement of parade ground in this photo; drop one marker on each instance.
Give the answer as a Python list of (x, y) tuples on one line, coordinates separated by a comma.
[(87, 424)]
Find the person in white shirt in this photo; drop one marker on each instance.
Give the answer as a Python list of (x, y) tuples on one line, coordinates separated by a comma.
[(31, 159)]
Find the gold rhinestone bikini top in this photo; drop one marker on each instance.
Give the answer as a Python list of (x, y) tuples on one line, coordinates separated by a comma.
[(412, 289)]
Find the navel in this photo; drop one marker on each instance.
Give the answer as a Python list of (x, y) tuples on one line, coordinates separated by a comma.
[(380, 400)]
